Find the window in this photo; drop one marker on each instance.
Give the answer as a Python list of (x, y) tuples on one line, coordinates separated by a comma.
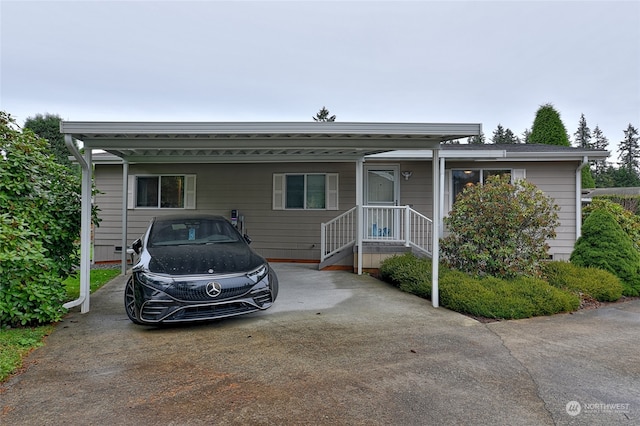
[(462, 179), (164, 192), (305, 191)]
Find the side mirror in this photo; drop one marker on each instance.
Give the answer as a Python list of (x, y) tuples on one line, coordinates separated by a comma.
[(137, 245), (247, 239)]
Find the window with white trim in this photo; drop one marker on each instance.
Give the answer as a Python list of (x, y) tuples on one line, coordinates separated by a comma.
[(162, 191), (305, 191), (461, 179)]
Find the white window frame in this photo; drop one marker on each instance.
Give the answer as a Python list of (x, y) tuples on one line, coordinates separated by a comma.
[(280, 191), (516, 174), (189, 192)]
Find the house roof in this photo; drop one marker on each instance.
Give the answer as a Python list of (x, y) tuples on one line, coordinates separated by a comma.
[(505, 152), (185, 142), (613, 191)]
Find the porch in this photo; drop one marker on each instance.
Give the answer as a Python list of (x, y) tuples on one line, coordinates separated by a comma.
[(385, 231)]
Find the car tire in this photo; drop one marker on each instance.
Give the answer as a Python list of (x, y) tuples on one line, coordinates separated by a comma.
[(130, 302)]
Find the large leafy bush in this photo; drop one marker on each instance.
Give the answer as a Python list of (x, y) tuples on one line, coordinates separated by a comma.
[(500, 229), (40, 210), (604, 245)]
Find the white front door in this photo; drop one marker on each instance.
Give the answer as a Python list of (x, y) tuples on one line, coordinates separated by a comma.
[(382, 188)]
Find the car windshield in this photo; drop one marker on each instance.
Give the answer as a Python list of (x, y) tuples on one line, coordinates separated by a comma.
[(191, 231)]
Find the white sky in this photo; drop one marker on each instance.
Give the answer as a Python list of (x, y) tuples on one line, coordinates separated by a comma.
[(483, 62)]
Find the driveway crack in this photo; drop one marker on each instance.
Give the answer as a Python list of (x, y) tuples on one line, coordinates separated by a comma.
[(526, 369)]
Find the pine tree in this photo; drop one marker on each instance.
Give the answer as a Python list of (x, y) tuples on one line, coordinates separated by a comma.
[(498, 135), (323, 116), (526, 135), (548, 128), (629, 150), (600, 142), (504, 136), (583, 134), (510, 137), (477, 140)]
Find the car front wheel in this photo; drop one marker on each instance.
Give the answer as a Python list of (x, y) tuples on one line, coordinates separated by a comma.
[(130, 302)]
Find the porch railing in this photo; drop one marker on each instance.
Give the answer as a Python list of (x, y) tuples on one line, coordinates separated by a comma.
[(383, 224)]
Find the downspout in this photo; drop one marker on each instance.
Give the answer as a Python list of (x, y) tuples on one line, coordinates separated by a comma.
[(85, 225), (585, 162)]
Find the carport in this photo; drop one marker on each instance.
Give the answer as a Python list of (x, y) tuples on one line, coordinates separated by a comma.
[(251, 142)]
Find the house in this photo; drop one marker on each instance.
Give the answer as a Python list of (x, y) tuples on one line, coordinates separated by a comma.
[(300, 189)]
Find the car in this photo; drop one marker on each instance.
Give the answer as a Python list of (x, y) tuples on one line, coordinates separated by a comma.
[(196, 267)]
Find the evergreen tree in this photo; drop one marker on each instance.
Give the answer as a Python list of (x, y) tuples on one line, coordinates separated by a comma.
[(504, 136), (629, 150), (510, 137), (583, 134), (498, 135), (323, 116), (48, 127), (600, 142), (477, 140), (548, 127), (526, 135)]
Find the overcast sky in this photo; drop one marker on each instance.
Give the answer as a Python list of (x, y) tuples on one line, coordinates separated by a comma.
[(486, 62)]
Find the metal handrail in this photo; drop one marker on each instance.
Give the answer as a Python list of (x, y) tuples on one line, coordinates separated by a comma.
[(383, 224)]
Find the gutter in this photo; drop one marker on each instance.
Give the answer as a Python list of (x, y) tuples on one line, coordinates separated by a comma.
[(585, 162), (85, 232)]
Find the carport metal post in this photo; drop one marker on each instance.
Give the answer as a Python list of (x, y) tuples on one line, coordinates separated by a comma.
[(435, 235), (125, 207), (85, 226), (359, 215)]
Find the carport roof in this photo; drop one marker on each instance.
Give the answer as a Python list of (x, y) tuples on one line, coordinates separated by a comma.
[(156, 142)]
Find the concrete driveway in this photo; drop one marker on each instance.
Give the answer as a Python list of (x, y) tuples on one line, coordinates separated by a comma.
[(336, 349)]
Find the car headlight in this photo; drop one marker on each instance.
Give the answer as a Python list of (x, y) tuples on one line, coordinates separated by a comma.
[(258, 274), (154, 280)]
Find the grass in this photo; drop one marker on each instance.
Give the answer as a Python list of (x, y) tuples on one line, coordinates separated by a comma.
[(17, 343), (99, 277)]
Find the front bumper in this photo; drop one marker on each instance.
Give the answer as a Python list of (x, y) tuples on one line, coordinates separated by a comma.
[(187, 299)]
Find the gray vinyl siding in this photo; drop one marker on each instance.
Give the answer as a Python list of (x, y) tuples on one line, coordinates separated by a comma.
[(295, 234), (276, 234), (558, 180)]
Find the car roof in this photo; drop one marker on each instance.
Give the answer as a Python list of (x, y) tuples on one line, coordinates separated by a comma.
[(184, 216)]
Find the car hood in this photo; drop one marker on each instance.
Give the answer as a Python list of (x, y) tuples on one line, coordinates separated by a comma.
[(220, 258)]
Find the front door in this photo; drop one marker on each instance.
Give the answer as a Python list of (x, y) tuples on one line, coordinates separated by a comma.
[(381, 189)]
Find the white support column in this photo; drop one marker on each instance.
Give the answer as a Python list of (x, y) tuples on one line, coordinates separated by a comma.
[(85, 233), (435, 259), (442, 191), (359, 215), (125, 198)]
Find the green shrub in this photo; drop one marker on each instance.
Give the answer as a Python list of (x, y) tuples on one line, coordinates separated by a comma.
[(488, 297), (499, 229), (606, 246), (629, 222), (31, 291), (598, 284), (628, 202), (405, 269), (492, 297)]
